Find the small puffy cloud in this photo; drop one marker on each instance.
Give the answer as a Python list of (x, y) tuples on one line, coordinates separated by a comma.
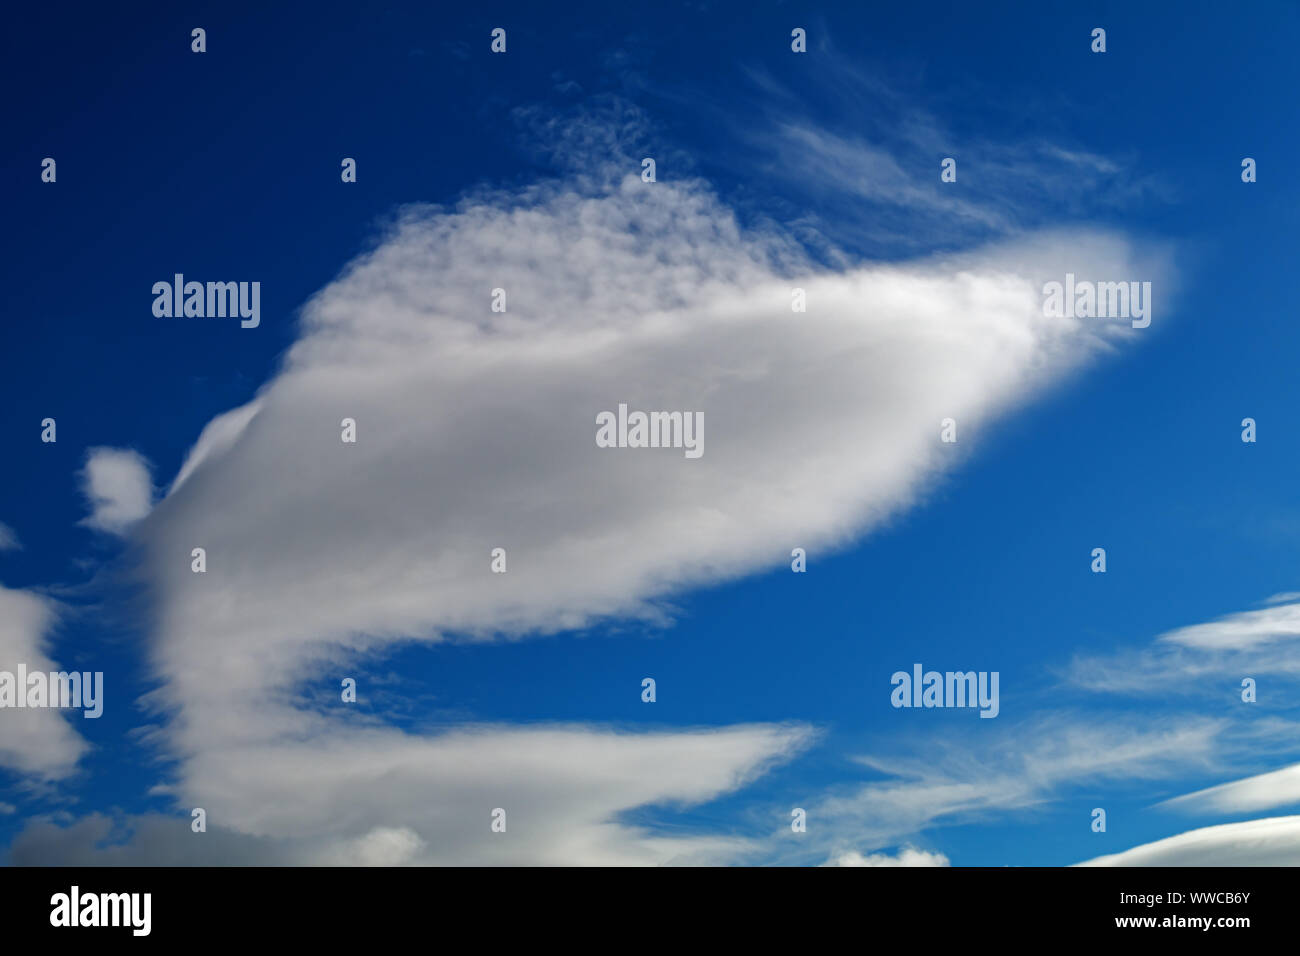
[(8, 539), (118, 487), (907, 856)]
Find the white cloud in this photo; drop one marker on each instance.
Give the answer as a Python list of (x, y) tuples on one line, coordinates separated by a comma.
[(1286, 597), (117, 485), (476, 430), (1269, 842), (960, 778), (1263, 641), (377, 797), (38, 742), (1242, 631), (216, 438), (357, 796), (907, 856), (1265, 791), (8, 539)]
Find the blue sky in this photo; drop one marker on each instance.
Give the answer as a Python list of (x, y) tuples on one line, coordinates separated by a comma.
[(225, 165)]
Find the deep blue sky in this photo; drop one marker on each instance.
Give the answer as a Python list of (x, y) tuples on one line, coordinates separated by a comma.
[(227, 164)]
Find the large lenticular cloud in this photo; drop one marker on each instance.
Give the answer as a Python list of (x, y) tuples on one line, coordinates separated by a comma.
[(476, 430)]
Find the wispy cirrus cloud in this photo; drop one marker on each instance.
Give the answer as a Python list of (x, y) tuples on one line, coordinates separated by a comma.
[(1008, 770), (854, 156), (1038, 760), (1208, 658)]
